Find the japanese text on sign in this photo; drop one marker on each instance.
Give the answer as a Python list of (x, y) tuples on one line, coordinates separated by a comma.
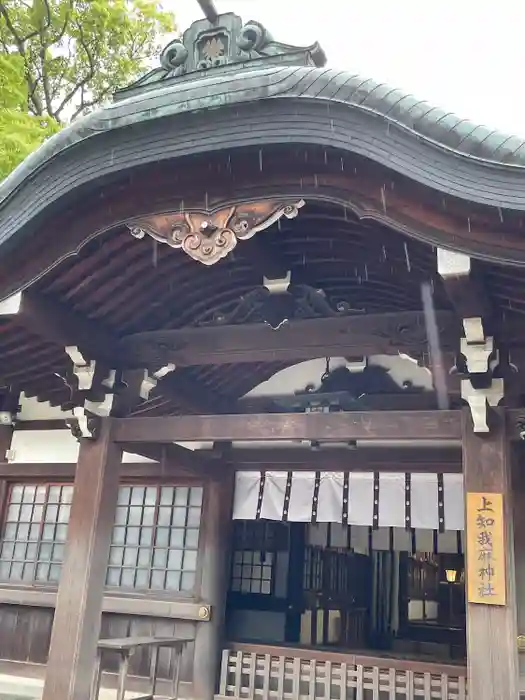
[(486, 579)]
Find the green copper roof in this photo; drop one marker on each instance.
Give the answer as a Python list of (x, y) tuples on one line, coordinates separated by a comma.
[(226, 65)]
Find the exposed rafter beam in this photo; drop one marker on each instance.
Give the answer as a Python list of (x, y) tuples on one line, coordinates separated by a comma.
[(352, 336), (57, 324), (480, 389), (326, 458), (466, 293), (343, 426)]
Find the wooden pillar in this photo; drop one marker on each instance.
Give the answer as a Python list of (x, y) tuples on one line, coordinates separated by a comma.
[(6, 436), (76, 625), (518, 493), (216, 552), (491, 629)]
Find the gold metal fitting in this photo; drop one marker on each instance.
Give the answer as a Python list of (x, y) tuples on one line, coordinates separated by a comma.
[(204, 612)]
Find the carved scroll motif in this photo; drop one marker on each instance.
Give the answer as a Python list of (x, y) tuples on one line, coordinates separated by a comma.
[(210, 236)]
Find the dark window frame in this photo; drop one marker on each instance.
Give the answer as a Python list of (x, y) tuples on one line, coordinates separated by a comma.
[(36, 536), (128, 592), (153, 549)]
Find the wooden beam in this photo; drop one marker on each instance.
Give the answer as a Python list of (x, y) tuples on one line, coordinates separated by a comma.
[(401, 401), (491, 629), (56, 323), (395, 459), (174, 456), (372, 425), (129, 471), (78, 611), (125, 605), (465, 289), (367, 334), (192, 394)]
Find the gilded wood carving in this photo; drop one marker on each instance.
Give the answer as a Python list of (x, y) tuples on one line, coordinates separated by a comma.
[(210, 236)]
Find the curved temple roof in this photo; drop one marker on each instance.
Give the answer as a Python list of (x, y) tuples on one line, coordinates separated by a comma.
[(227, 65), (234, 124)]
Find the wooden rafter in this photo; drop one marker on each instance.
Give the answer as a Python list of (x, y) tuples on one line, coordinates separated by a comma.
[(358, 335), (371, 425), (56, 323), (465, 288)]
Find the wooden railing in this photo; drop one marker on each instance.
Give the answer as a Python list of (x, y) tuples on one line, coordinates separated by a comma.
[(278, 673)]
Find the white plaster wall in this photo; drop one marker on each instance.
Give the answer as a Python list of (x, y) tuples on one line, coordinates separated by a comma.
[(31, 409), (55, 446), (292, 379)]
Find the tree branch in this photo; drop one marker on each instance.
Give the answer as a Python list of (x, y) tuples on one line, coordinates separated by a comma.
[(58, 37), (42, 55), (47, 24), (81, 83), (91, 103), (18, 39)]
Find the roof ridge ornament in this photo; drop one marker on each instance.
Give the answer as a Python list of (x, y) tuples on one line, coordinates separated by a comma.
[(209, 236), (206, 45)]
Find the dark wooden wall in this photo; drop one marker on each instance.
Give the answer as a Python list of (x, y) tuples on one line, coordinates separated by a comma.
[(25, 630), (25, 633)]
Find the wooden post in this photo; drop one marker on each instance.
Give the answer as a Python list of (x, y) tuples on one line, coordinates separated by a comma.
[(518, 492), (6, 436), (216, 551), (491, 629), (77, 619)]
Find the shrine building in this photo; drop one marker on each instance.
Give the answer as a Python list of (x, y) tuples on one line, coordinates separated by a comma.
[(262, 389)]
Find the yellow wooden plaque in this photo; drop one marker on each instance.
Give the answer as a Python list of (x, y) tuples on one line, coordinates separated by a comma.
[(486, 571)]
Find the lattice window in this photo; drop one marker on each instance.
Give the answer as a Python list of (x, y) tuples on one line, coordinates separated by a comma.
[(35, 532), (155, 538), (252, 572), (255, 547)]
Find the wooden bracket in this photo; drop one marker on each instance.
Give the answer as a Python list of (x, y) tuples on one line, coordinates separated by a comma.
[(477, 355), (93, 383), (83, 369), (84, 425), (278, 285), (479, 401), (466, 292), (150, 381)]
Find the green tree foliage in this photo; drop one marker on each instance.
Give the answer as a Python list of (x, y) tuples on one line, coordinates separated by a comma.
[(61, 58), (20, 132)]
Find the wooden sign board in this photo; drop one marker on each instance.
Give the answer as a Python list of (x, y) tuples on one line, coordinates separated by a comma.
[(486, 569)]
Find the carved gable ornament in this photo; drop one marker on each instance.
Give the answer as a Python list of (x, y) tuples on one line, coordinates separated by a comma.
[(210, 236), (206, 46)]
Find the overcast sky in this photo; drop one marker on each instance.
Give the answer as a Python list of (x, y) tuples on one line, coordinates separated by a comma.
[(467, 56)]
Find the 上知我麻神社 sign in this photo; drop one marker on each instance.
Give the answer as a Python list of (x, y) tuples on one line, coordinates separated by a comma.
[(486, 576)]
